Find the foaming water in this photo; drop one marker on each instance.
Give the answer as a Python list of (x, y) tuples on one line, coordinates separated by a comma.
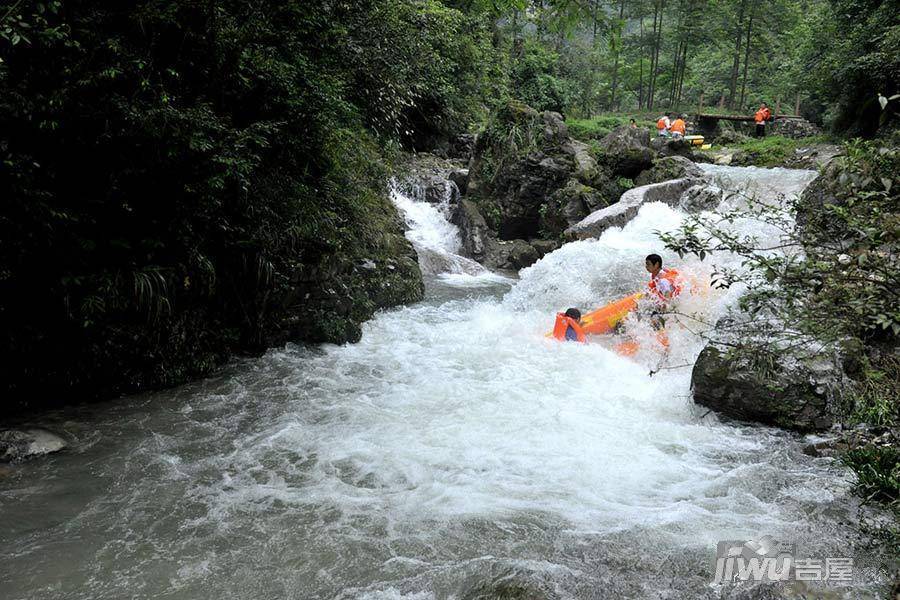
[(454, 445), (435, 238)]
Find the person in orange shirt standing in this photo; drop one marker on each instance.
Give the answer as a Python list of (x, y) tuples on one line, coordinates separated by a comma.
[(762, 115)]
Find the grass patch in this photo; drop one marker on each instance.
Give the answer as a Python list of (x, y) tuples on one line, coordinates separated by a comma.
[(770, 151), (877, 471), (598, 127)]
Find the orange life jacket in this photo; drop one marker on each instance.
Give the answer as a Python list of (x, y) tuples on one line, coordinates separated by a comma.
[(661, 124), (562, 325), (762, 115), (678, 126), (670, 275)]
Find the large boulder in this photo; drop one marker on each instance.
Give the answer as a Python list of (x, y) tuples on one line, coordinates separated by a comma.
[(794, 128), (569, 205), (460, 178), (480, 244), (626, 151), (815, 224), (668, 168), (801, 392), (477, 238), (523, 191), (521, 160), (618, 214), (663, 146), (17, 445), (700, 197)]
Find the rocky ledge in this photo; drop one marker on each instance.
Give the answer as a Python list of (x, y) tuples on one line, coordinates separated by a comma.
[(17, 445)]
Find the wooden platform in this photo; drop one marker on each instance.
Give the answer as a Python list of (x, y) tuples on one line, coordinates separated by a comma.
[(741, 117)]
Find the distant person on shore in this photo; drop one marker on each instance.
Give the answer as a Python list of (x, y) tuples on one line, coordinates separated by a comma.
[(762, 115), (678, 128), (662, 126), (633, 124)]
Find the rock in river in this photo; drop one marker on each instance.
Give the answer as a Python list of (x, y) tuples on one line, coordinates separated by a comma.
[(16, 445)]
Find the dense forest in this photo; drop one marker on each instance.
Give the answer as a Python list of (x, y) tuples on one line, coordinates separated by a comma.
[(183, 180)]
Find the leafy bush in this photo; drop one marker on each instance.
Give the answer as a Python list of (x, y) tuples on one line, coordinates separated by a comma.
[(536, 80)]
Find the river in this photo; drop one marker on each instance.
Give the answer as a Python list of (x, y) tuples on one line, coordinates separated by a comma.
[(454, 448)]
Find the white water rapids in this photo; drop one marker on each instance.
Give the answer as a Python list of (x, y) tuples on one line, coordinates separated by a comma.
[(453, 447)]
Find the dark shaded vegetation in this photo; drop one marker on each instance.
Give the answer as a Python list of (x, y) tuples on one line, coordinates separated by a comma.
[(183, 180)]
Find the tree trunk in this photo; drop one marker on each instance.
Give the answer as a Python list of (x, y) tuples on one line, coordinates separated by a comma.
[(746, 57), (641, 62), (684, 52), (736, 57), (657, 42), (618, 52)]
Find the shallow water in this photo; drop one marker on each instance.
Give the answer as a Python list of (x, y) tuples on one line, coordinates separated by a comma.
[(454, 446)]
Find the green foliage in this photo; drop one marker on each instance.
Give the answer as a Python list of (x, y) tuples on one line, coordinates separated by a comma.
[(875, 397), (774, 150), (850, 56), (536, 79), (599, 127), (877, 471)]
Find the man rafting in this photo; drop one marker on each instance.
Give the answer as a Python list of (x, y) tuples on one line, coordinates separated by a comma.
[(664, 285)]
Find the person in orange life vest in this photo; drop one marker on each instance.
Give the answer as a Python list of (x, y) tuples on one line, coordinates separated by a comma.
[(662, 126), (762, 115), (664, 286), (678, 128), (568, 326)]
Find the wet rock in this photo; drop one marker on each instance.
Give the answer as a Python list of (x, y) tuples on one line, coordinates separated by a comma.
[(480, 244), (663, 146), (477, 239), (618, 214), (668, 168), (626, 151), (701, 197), (798, 393), (460, 177), (427, 178), (794, 128), (815, 156), (461, 146), (569, 205), (544, 247), (519, 254), (845, 439), (16, 445), (724, 159)]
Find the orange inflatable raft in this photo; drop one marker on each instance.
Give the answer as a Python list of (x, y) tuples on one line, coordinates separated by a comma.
[(604, 320)]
